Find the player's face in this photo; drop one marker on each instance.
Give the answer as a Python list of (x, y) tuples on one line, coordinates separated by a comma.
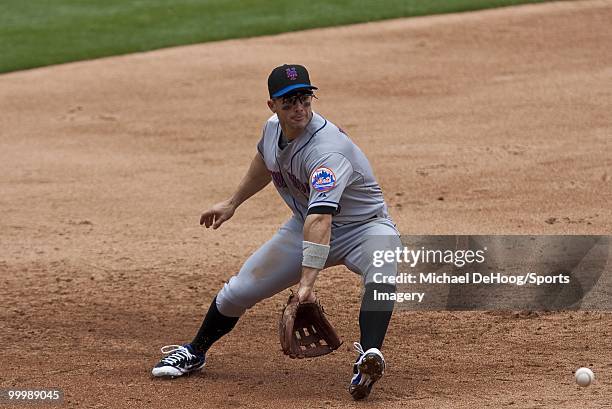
[(293, 111)]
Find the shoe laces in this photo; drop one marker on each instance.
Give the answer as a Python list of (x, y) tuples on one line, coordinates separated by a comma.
[(358, 348), (176, 353)]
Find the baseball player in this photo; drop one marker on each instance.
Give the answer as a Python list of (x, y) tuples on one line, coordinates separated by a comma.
[(338, 213)]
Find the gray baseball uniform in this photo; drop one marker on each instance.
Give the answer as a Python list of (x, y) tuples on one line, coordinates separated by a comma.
[(322, 167)]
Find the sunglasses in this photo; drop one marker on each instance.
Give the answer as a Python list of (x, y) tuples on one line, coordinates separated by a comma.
[(304, 98)]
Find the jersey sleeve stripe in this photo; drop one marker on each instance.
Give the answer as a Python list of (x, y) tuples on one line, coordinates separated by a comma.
[(323, 201)]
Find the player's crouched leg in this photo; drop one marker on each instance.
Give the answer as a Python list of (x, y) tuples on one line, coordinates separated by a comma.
[(376, 305), (273, 267)]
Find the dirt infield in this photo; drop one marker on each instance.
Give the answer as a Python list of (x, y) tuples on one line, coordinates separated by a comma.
[(489, 122)]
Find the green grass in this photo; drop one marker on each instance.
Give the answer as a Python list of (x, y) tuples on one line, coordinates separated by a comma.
[(35, 33)]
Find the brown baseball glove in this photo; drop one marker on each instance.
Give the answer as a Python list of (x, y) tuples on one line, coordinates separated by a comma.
[(304, 330)]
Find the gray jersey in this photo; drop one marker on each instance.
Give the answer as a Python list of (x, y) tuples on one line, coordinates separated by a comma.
[(322, 167)]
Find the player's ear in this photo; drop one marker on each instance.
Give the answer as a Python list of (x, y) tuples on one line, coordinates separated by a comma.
[(271, 105)]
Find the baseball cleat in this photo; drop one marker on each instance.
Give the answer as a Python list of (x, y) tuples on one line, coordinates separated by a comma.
[(179, 361), (369, 367)]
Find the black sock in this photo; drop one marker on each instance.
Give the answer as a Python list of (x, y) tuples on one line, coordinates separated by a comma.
[(374, 316), (215, 325)]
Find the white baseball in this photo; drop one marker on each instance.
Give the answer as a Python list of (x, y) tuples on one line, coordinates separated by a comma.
[(584, 376)]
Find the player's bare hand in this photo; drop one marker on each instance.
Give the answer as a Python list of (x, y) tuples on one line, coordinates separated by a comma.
[(218, 214)]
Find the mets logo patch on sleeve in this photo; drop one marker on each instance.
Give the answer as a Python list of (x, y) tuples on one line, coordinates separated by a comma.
[(323, 180)]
